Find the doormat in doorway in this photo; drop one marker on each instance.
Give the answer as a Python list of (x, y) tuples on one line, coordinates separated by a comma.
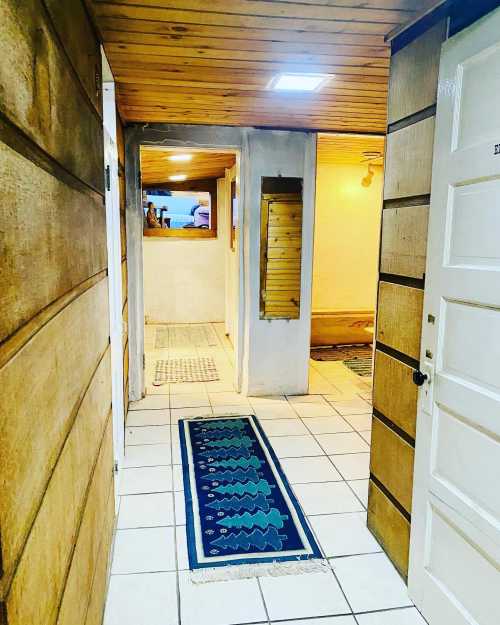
[(242, 518), (341, 352), (360, 366), (185, 370)]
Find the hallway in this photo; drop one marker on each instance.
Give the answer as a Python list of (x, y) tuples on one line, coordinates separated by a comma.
[(322, 440)]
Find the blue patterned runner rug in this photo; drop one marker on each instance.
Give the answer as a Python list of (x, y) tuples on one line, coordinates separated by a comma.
[(240, 509)]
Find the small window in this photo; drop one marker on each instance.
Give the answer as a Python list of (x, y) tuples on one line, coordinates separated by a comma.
[(281, 248), (179, 213)]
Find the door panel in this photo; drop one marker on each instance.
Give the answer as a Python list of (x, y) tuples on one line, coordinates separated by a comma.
[(455, 543)]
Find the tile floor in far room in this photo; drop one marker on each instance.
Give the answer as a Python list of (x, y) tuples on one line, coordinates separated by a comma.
[(323, 442)]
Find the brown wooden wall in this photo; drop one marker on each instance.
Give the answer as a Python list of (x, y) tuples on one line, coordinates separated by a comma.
[(407, 187), (56, 461), (123, 229)]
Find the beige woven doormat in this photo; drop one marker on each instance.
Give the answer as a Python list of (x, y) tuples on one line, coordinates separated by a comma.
[(176, 370)]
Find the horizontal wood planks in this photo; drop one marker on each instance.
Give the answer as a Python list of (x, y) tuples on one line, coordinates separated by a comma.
[(403, 251), (157, 166), (55, 371), (281, 253), (220, 58), (67, 128), (390, 527)]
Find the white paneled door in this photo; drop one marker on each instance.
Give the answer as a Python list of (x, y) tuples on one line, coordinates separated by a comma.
[(455, 544)]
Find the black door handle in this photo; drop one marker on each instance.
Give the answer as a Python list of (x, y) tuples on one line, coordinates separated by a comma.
[(418, 377)]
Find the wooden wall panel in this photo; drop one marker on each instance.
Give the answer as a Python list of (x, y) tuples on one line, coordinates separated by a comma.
[(42, 389), (403, 246), (65, 502), (400, 406), (390, 527), (414, 74), (53, 250), (92, 545), (35, 96), (80, 43), (400, 317), (403, 249), (408, 164), (54, 336), (391, 461)]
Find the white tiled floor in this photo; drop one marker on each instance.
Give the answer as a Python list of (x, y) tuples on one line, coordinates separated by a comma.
[(322, 440)]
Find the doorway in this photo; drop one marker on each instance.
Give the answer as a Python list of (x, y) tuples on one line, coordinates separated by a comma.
[(345, 263), (190, 269)]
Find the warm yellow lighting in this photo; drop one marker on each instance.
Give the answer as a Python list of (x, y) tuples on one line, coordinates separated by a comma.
[(177, 177), (180, 158)]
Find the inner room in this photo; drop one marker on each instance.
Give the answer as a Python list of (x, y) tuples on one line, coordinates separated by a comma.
[(349, 179), (190, 268)]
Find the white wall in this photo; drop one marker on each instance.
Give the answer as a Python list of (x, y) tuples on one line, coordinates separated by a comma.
[(346, 238), (184, 279)]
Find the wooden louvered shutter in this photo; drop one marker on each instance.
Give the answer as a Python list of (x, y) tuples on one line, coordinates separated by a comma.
[(280, 262)]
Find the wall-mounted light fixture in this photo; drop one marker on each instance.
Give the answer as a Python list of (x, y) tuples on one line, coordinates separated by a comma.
[(369, 157)]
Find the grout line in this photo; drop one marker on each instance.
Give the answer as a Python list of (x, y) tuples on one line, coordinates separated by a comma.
[(263, 601)]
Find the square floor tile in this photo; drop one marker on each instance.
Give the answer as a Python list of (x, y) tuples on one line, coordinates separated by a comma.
[(147, 435), (189, 400), (284, 427), (227, 399), (302, 399), (182, 550), (360, 421), (327, 498), (178, 477), (404, 616), (313, 409), (240, 409), (147, 455), (295, 446), (148, 417), (329, 620), (344, 534), (146, 550), (367, 435), (352, 406), (370, 582), (342, 443), (279, 410), (353, 466), (327, 425), (150, 402), (143, 480), (189, 413), (304, 470), (183, 388), (266, 400), (180, 508), (360, 487), (299, 596), (220, 603), (151, 510), (147, 598)]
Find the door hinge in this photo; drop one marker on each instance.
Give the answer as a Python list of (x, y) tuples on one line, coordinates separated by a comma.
[(139, 179), (144, 361), (108, 178), (116, 466)]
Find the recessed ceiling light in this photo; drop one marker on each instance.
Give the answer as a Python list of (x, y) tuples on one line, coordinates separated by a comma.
[(177, 177), (298, 82), (180, 158)]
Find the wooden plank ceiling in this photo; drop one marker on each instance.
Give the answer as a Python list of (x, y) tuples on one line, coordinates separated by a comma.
[(156, 166), (334, 149), (210, 61)]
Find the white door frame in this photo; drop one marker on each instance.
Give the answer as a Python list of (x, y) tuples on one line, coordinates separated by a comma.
[(113, 236), (200, 137)]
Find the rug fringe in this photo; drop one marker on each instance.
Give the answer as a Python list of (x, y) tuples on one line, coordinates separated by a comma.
[(261, 569)]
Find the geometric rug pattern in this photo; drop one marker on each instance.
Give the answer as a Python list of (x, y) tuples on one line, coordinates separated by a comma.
[(360, 366), (240, 508), (174, 370), (341, 352)]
